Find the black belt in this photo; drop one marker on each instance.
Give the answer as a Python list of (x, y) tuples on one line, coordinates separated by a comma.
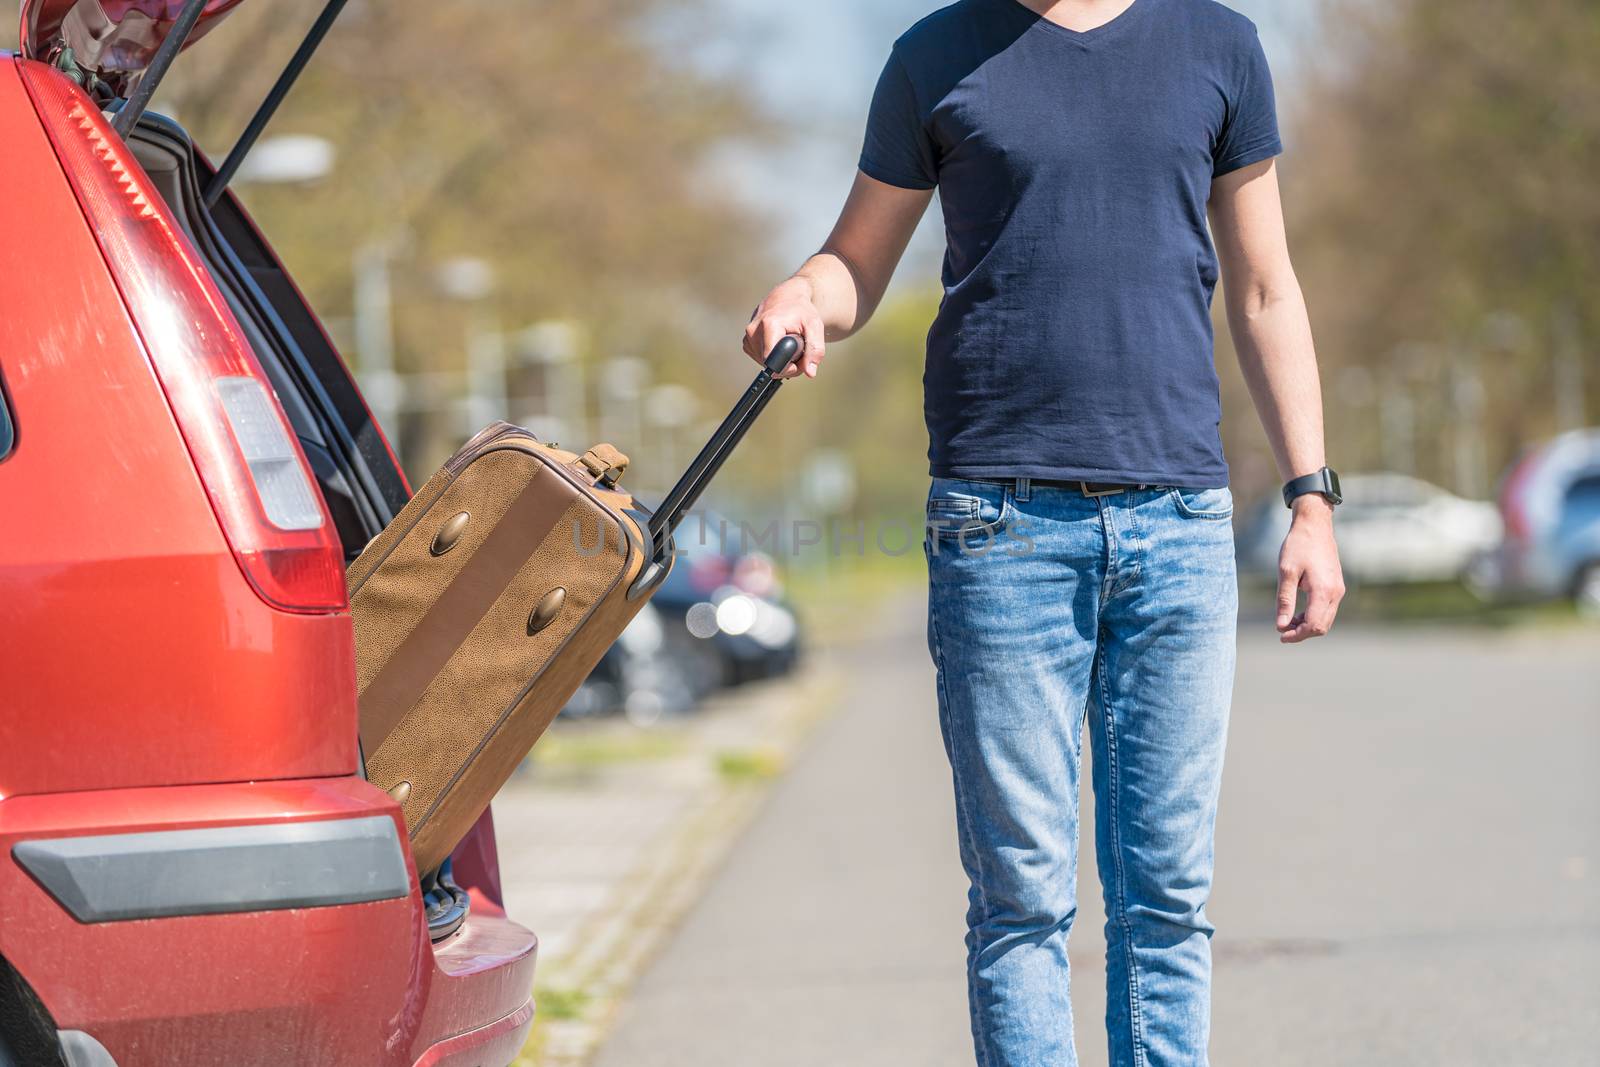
[(1088, 488)]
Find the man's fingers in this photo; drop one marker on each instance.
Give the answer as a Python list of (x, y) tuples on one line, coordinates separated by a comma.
[(793, 370), (752, 333), (1298, 631), (772, 331), (797, 365), (813, 335), (1320, 609), (1288, 587), (1322, 606)]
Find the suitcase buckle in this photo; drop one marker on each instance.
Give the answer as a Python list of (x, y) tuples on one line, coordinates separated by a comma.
[(605, 465)]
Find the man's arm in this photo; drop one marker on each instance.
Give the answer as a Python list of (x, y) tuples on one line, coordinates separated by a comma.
[(837, 290), (1272, 334)]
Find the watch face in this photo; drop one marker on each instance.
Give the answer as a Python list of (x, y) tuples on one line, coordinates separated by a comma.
[(1334, 492)]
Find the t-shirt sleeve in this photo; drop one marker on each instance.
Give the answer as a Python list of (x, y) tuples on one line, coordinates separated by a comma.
[(898, 150), (1250, 133)]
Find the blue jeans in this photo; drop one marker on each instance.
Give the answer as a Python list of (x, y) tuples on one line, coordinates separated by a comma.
[(1047, 606)]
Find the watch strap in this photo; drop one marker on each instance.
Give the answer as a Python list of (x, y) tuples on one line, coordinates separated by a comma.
[(1324, 481)]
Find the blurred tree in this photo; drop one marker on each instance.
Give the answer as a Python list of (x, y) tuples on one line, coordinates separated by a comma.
[(554, 141), (1446, 223)]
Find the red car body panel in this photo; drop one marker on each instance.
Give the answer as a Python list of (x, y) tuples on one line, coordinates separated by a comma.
[(354, 984), (129, 628), (499, 1042), (145, 685)]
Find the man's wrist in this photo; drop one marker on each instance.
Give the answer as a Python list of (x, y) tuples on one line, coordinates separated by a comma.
[(1312, 507)]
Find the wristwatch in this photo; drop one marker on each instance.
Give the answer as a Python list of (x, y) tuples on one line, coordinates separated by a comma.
[(1324, 481)]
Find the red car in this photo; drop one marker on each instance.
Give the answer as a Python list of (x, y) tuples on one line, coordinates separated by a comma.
[(193, 869)]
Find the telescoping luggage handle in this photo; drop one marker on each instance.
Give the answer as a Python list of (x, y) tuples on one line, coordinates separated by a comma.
[(705, 466)]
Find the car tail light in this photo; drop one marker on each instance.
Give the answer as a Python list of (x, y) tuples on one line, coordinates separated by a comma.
[(756, 575), (1513, 500), (708, 572), (236, 432)]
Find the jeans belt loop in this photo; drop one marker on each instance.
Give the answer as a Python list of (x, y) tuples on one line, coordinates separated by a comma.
[(1024, 488)]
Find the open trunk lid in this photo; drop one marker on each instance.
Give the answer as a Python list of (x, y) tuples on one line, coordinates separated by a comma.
[(115, 39)]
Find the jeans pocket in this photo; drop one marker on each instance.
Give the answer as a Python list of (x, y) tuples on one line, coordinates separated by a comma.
[(1204, 503), (959, 509)]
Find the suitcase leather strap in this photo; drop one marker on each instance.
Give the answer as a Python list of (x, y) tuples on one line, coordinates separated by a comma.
[(605, 463)]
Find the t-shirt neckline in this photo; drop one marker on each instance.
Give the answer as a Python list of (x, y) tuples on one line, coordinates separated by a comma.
[(1120, 19)]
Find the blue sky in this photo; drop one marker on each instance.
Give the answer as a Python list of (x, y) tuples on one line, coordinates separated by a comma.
[(814, 64)]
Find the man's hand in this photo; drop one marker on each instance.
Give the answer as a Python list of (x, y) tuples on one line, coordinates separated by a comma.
[(1309, 562), (835, 293), (790, 308)]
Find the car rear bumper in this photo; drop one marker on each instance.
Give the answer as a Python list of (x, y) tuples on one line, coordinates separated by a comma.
[(498, 1042), (269, 922)]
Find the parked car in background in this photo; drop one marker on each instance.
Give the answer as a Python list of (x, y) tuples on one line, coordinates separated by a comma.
[(729, 599), (1392, 529), (1550, 501), (656, 668), (718, 620)]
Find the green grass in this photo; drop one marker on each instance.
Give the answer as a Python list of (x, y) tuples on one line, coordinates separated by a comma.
[(575, 750), (557, 1004), (752, 765)]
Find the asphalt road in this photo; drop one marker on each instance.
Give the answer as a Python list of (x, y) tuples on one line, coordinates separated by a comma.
[(1408, 872)]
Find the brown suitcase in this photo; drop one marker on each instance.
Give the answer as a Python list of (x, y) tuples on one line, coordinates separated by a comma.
[(482, 607)]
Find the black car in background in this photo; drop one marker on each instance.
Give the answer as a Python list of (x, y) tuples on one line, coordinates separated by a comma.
[(719, 619), (729, 597)]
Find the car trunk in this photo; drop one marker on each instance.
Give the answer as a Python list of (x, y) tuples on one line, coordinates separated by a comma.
[(347, 452), (118, 50)]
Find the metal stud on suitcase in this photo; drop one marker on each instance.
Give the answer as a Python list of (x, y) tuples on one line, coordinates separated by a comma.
[(481, 608)]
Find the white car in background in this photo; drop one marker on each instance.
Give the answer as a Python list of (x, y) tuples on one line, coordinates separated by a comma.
[(1392, 529)]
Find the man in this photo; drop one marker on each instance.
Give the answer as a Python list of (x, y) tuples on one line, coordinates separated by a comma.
[(1080, 550)]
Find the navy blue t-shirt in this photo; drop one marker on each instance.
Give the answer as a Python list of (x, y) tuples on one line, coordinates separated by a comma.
[(1074, 339)]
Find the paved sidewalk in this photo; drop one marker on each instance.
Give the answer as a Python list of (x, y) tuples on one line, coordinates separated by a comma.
[(832, 935), (611, 834), (1408, 854)]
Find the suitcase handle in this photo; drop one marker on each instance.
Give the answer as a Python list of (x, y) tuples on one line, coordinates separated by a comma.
[(784, 353), (716, 451)]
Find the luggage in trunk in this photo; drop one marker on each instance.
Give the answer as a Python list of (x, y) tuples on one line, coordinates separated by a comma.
[(482, 607)]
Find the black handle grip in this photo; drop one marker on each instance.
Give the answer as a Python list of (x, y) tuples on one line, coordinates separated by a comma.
[(786, 352)]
